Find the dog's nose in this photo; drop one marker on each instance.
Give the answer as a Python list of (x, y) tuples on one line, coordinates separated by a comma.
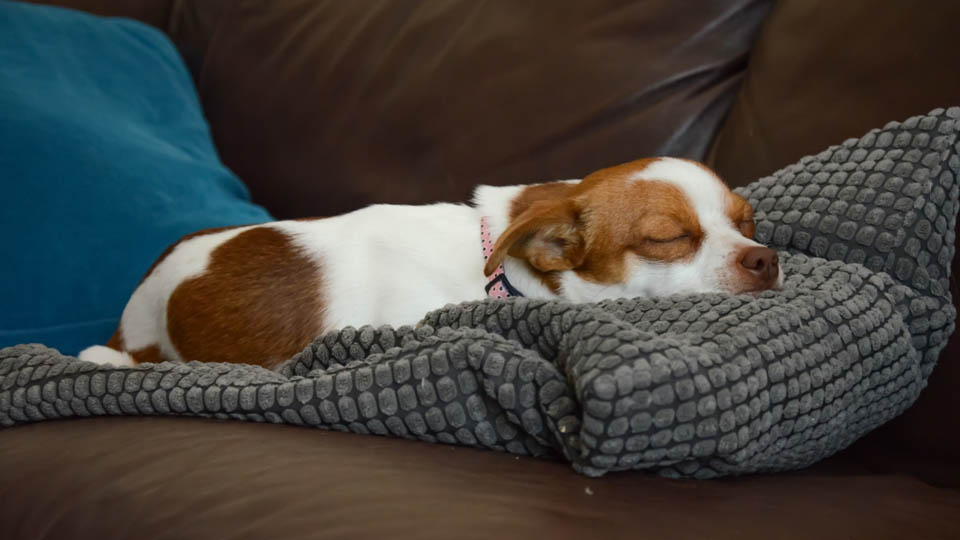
[(761, 262)]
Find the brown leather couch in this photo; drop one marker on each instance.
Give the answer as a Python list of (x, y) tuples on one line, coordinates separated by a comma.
[(323, 106)]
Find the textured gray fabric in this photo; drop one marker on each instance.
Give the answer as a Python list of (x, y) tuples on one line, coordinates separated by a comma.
[(685, 386)]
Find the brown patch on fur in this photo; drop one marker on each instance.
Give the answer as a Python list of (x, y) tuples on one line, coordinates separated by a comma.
[(545, 235), (116, 341), (152, 353), (741, 214), (174, 245), (258, 302), (147, 355), (552, 191), (650, 218)]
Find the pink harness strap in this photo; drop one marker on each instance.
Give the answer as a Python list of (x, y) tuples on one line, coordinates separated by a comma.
[(497, 285)]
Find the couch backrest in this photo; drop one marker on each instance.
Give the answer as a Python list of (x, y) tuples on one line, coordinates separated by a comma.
[(324, 106)]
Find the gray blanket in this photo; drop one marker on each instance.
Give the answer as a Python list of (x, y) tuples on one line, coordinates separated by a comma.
[(697, 386)]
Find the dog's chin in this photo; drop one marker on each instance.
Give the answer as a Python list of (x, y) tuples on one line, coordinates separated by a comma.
[(755, 289), (725, 287), (734, 285)]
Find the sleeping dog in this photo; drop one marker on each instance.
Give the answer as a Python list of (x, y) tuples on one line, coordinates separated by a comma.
[(259, 294)]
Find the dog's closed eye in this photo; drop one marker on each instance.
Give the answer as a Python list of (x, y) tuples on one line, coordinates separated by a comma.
[(669, 239)]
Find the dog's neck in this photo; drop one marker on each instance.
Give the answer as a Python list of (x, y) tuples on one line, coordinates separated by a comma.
[(494, 203)]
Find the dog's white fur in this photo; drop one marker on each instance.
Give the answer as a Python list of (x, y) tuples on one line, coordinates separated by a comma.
[(389, 264)]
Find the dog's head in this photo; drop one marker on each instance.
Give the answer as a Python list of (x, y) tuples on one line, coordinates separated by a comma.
[(651, 227)]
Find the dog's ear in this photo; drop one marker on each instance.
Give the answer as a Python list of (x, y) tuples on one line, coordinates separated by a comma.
[(547, 235)]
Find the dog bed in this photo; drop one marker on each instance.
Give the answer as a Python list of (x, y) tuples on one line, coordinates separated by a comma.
[(690, 386)]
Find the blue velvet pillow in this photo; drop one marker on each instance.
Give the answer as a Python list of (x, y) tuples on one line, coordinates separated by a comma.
[(105, 159)]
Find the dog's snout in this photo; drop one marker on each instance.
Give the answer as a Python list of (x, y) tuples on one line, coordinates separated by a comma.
[(762, 262)]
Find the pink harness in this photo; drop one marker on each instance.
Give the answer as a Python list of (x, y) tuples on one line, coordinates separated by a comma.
[(498, 287)]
